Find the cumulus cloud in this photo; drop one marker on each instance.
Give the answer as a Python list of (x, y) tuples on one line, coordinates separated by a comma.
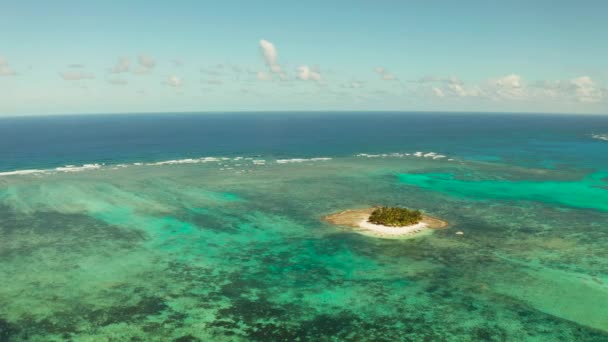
[(269, 52), (389, 77), (510, 87), (173, 81), (271, 56), (509, 81), (384, 74), (76, 75), (581, 89), (5, 68), (513, 87), (122, 65), (146, 64), (263, 76), (146, 61), (460, 90), (452, 87), (438, 92), (306, 73), (585, 89)]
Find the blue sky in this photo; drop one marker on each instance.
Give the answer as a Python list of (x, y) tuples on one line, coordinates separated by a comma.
[(143, 56)]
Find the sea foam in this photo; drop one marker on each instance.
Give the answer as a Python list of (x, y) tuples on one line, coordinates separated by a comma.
[(418, 154), (301, 160), (186, 161), (66, 168), (224, 162), (600, 136), (74, 168), (21, 172)]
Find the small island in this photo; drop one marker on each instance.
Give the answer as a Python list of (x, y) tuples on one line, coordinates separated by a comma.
[(387, 222)]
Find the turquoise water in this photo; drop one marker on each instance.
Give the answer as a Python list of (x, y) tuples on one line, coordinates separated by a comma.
[(225, 249), (589, 192)]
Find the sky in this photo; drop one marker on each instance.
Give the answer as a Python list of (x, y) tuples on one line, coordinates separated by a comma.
[(72, 57)]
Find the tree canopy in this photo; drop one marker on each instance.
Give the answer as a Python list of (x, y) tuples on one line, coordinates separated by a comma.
[(395, 216)]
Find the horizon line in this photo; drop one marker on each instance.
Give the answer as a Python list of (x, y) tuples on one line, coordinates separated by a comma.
[(5, 116)]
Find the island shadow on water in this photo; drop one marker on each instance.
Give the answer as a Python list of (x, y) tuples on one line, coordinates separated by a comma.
[(359, 220)]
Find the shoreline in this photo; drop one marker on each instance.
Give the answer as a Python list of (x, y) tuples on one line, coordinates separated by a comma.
[(358, 220)]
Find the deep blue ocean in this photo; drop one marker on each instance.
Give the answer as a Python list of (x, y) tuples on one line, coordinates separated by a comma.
[(528, 139)]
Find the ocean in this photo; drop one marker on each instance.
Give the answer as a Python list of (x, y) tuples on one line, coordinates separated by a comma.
[(208, 227)]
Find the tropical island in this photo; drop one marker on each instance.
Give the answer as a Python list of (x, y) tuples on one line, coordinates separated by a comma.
[(387, 222)]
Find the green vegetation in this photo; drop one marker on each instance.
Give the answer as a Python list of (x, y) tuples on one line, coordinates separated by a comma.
[(395, 216)]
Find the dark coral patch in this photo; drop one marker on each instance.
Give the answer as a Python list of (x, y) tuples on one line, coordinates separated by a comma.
[(7, 330)]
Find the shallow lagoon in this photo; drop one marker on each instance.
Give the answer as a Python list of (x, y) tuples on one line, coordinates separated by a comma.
[(213, 252), (226, 248)]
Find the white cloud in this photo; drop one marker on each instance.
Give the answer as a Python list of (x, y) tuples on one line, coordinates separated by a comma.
[(438, 92), (460, 90), (5, 69), (453, 87), (146, 64), (76, 75), (509, 81), (263, 76), (271, 56), (389, 77), (305, 73), (174, 81), (582, 89), (510, 87), (384, 74), (513, 87), (146, 61), (551, 89), (585, 89), (122, 65), (269, 52)]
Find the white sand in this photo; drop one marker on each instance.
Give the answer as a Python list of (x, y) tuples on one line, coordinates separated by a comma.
[(392, 231)]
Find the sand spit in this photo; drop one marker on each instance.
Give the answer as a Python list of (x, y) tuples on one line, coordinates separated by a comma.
[(358, 219)]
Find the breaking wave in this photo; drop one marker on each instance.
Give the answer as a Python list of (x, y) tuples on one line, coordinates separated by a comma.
[(600, 136), (225, 163), (418, 154)]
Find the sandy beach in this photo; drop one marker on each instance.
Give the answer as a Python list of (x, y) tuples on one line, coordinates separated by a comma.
[(358, 219)]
